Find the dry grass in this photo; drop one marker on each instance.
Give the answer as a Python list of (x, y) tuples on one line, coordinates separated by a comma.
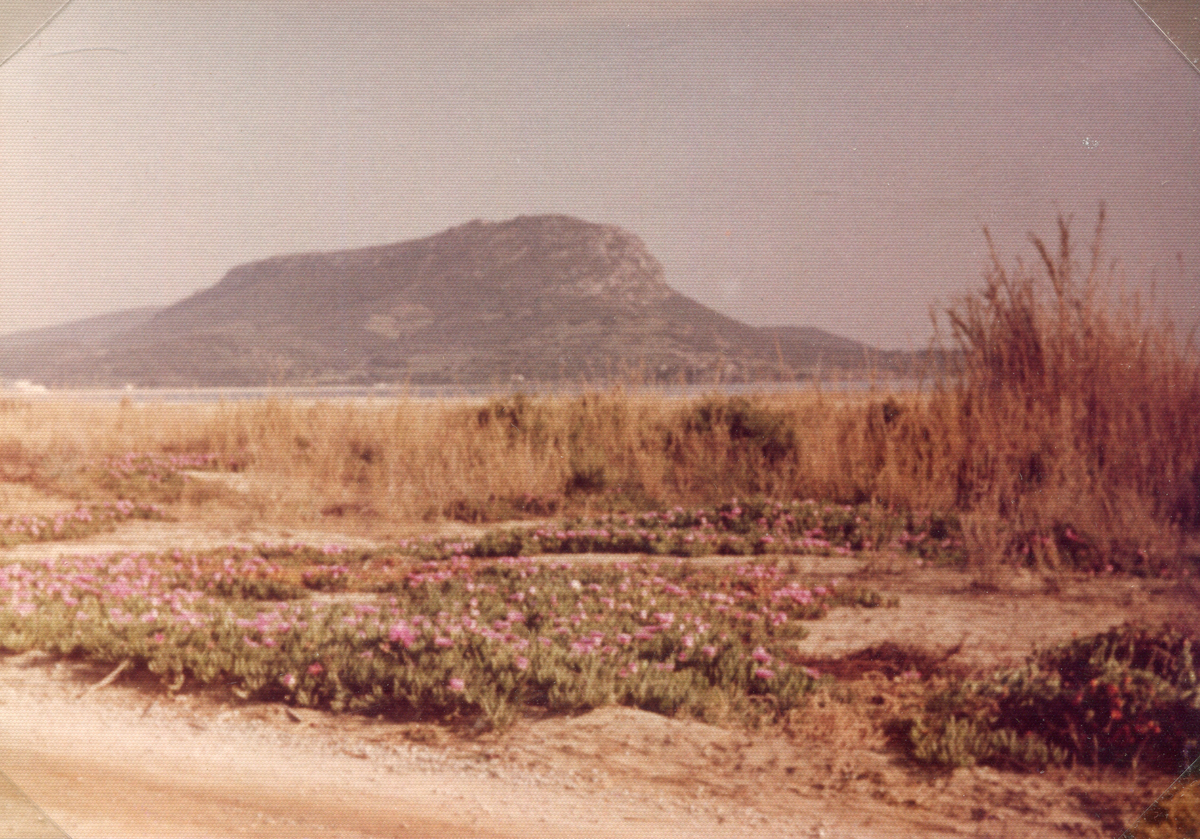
[(1075, 415), (1070, 434), (413, 458)]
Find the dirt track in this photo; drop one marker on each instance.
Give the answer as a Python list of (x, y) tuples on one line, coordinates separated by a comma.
[(126, 760), (120, 762)]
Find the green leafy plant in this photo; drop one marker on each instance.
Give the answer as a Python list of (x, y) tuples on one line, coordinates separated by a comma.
[(1125, 697)]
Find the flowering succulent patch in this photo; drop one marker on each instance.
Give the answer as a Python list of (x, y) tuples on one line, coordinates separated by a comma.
[(72, 524), (746, 528), (441, 636)]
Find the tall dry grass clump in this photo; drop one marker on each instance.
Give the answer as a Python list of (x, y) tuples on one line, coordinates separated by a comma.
[(1076, 418)]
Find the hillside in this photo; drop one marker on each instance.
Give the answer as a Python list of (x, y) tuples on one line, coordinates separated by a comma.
[(547, 298)]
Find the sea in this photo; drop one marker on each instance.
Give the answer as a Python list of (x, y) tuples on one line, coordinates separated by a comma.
[(389, 392)]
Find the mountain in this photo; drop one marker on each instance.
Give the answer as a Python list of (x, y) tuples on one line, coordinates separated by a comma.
[(545, 298), (42, 354)]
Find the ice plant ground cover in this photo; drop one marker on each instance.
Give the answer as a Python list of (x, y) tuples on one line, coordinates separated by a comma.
[(1120, 697), (446, 638), (486, 629), (740, 528), (81, 521), (134, 485), (760, 526)]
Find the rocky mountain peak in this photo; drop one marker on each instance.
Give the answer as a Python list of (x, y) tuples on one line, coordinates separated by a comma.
[(557, 254)]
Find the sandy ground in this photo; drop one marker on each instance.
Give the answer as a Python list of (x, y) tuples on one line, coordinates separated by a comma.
[(125, 760)]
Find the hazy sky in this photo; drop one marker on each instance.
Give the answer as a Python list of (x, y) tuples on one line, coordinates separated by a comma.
[(827, 164)]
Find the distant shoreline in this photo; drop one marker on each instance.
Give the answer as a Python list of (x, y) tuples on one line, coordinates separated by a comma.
[(209, 395)]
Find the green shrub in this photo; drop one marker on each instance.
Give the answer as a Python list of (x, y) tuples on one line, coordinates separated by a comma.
[(1124, 697)]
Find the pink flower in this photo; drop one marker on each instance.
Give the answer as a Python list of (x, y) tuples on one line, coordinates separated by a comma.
[(812, 672), (288, 680), (403, 633), (315, 669), (457, 685), (764, 673), (521, 662), (761, 656), (709, 650)]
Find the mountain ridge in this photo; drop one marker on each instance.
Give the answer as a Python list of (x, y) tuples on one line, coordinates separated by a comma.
[(535, 298)]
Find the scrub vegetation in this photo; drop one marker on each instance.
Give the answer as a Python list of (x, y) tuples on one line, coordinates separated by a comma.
[(1064, 438)]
